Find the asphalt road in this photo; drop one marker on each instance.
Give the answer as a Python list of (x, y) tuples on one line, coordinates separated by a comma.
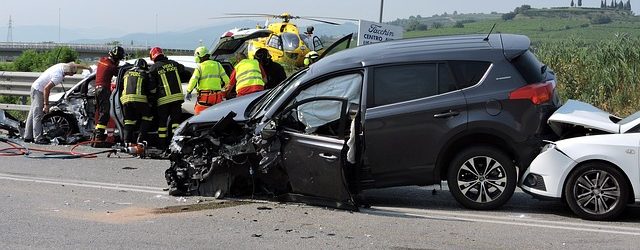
[(115, 203)]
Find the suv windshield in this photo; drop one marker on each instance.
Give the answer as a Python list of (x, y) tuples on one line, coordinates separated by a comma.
[(276, 93)]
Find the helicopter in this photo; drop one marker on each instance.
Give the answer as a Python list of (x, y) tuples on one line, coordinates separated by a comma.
[(285, 43)]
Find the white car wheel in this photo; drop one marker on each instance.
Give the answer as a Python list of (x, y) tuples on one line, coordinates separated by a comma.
[(596, 191)]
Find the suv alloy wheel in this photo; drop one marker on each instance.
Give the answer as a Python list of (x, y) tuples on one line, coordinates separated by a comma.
[(482, 177)]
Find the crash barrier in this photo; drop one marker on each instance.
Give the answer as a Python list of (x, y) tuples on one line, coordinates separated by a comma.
[(19, 84)]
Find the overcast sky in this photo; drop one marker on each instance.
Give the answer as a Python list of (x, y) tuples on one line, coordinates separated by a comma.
[(118, 16)]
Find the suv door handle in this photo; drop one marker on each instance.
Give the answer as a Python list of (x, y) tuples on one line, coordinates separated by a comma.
[(328, 157), (450, 113)]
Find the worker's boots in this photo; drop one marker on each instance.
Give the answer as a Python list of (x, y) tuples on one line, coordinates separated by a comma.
[(99, 139)]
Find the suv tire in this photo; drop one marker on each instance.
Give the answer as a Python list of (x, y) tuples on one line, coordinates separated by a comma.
[(482, 177)]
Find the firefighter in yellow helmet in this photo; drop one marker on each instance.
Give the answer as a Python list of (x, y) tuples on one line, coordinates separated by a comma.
[(208, 79), (310, 58), (137, 95)]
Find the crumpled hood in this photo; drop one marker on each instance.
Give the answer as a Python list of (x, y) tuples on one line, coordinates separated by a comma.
[(237, 105), (583, 114)]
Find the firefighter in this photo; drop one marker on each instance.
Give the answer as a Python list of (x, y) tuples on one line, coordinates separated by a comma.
[(208, 78), (167, 75), (107, 68), (310, 58), (274, 71), (247, 77), (136, 94)]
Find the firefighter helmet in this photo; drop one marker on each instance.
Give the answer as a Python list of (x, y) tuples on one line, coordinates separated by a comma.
[(140, 63), (310, 58), (155, 52), (117, 53)]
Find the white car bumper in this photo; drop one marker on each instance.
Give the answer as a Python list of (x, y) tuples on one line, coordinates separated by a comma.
[(547, 173)]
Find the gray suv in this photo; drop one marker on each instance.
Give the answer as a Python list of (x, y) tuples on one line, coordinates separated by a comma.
[(466, 109)]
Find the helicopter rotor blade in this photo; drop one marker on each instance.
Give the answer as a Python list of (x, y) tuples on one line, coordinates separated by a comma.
[(318, 20), (332, 18), (249, 14), (230, 17)]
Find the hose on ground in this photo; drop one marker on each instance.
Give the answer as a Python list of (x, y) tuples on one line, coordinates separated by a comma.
[(18, 149)]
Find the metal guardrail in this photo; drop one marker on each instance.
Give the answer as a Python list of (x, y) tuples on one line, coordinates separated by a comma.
[(19, 84), (19, 46)]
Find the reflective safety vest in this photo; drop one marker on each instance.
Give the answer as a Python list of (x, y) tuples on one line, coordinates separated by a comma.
[(171, 89), (209, 75), (248, 74), (134, 87)]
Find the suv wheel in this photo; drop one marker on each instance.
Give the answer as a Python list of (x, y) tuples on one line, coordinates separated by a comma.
[(482, 177), (596, 191)]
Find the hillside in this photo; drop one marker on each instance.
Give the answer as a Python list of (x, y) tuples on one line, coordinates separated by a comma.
[(590, 24)]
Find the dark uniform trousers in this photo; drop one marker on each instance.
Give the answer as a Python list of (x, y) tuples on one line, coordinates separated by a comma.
[(170, 112), (135, 112), (102, 97)]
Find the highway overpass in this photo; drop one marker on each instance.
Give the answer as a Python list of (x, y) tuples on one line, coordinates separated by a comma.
[(87, 52)]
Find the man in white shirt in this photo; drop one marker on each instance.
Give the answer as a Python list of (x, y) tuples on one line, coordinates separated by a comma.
[(40, 90)]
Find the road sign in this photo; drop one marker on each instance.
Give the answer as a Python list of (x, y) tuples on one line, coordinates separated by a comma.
[(372, 32)]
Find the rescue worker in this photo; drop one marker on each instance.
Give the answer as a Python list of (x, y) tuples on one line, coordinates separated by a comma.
[(137, 92), (274, 71), (40, 90), (167, 75), (107, 69), (247, 77), (310, 58), (208, 79)]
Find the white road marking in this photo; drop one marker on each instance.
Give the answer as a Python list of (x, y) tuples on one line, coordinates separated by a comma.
[(393, 211), (464, 216), (88, 184)]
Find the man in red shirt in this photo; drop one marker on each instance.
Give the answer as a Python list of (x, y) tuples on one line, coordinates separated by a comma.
[(107, 68)]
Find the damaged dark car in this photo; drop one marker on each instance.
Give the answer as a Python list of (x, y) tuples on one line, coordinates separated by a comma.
[(466, 109)]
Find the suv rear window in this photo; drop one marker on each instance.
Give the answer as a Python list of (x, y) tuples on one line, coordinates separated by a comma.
[(468, 73), (529, 67)]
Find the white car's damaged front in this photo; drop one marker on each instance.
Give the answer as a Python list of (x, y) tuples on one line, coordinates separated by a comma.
[(596, 170)]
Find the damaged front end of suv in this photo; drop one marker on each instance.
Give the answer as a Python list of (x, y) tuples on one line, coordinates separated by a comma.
[(268, 144), (222, 158)]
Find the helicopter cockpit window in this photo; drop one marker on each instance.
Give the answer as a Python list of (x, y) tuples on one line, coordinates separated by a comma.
[(274, 42), (290, 41)]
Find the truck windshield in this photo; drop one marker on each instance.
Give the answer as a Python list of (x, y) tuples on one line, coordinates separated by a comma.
[(275, 93)]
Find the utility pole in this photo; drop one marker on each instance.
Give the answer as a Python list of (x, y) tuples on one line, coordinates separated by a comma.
[(10, 31), (59, 10), (381, 8), (156, 29)]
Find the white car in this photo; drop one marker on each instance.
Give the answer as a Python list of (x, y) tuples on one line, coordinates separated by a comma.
[(596, 173)]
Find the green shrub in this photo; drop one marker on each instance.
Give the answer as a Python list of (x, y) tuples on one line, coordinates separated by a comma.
[(33, 61), (6, 66), (509, 16), (600, 19)]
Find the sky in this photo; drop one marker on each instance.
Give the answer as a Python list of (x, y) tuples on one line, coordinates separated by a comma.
[(118, 17)]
